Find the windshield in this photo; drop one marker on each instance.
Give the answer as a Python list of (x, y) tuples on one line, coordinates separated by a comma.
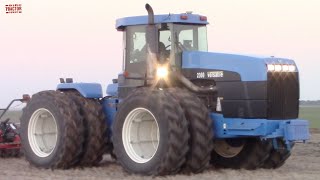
[(173, 40), (190, 37), (187, 37)]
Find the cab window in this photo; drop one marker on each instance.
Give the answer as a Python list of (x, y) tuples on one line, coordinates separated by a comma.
[(136, 49)]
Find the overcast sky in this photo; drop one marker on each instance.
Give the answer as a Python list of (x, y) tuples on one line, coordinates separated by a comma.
[(73, 38)]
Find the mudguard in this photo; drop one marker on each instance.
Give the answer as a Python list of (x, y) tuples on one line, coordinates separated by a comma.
[(112, 89), (87, 90)]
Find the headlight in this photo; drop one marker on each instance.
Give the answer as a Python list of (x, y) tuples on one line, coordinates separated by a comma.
[(292, 68), (285, 68), (162, 72), (281, 68), (277, 67), (270, 67)]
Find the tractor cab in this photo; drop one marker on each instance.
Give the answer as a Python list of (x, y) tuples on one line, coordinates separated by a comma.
[(171, 34)]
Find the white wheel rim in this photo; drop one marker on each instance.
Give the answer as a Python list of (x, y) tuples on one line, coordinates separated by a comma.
[(140, 135), (226, 150), (42, 132)]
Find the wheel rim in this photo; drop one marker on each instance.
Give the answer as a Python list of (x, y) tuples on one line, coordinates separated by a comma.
[(224, 149), (42, 132), (140, 135)]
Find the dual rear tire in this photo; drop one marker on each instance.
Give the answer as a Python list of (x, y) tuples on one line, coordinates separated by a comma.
[(62, 130)]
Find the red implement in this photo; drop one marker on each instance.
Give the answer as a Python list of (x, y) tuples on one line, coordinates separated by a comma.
[(10, 142)]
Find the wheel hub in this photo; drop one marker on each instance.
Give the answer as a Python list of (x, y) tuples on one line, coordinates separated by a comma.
[(42, 132), (140, 135)]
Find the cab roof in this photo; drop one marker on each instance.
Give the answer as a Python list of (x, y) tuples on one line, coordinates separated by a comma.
[(186, 18)]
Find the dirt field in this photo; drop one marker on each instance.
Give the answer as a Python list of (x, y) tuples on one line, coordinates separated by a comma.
[(303, 164)]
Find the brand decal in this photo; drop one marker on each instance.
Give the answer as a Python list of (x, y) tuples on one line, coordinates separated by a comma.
[(215, 74), (13, 8)]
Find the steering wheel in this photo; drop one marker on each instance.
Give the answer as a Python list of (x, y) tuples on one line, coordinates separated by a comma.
[(182, 47)]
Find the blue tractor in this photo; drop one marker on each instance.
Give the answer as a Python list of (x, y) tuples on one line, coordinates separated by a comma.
[(174, 108)]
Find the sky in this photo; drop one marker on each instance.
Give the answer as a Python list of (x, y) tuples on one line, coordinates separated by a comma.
[(57, 38)]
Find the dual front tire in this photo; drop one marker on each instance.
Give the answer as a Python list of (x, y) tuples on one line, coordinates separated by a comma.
[(150, 133), (160, 132)]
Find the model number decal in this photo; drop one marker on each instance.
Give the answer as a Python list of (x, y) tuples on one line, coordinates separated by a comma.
[(214, 74), (200, 75), (211, 74)]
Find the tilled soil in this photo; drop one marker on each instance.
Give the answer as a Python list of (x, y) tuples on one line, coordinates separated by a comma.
[(304, 163)]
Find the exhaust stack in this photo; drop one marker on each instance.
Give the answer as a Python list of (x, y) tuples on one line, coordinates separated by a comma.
[(150, 14), (152, 44)]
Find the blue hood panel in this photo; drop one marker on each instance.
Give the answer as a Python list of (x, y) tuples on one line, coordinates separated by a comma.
[(249, 68)]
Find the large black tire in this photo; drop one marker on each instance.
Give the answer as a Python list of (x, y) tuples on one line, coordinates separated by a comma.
[(95, 125), (69, 124), (252, 155), (173, 132), (278, 156), (200, 130)]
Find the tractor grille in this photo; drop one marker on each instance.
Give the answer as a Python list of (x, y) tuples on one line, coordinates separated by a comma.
[(283, 95)]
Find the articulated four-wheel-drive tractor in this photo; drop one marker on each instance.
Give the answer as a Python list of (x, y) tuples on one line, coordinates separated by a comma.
[(175, 107)]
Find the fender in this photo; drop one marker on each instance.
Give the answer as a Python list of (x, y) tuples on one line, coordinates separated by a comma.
[(112, 89), (87, 90)]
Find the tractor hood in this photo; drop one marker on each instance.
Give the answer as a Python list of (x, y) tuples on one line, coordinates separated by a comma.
[(201, 65)]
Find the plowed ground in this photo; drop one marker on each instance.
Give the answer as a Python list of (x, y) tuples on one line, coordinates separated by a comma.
[(303, 164)]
